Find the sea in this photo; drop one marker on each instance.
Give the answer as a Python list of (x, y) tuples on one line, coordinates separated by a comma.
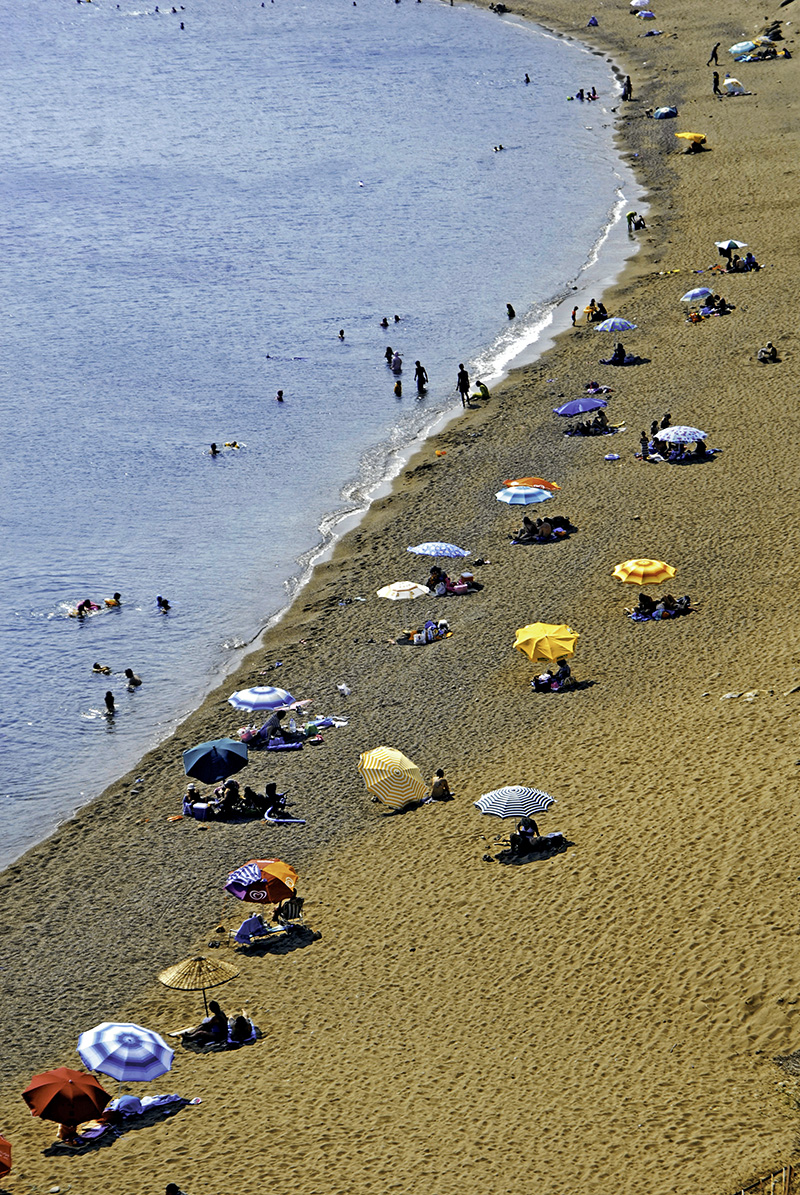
[(205, 204)]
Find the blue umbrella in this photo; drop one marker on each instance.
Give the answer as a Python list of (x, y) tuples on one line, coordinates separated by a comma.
[(700, 292), (580, 406), (616, 324), (514, 800), (523, 495), (215, 761), (125, 1052), (261, 697), (439, 549)]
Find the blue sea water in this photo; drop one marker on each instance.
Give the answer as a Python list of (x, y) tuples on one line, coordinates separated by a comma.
[(190, 216)]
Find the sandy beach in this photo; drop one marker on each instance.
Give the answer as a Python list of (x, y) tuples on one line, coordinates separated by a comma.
[(603, 1021)]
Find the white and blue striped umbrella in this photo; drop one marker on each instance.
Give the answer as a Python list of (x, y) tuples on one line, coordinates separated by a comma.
[(125, 1052), (616, 324), (524, 495), (699, 292), (262, 697), (439, 549), (514, 801)]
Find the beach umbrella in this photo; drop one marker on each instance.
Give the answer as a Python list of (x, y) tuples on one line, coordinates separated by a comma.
[(742, 47), (681, 435), (197, 975), (523, 495), (646, 14), (450, 551), (515, 800), (699, 292), (644, 572), (616, 324), (262, 881), (665, 113), (733, 86), (401, 591), (730, 244), (639, 3), (536, 482), (697, 138), (391, 777), (5, 1157), (580, 406), (214, 761), (261, 697), (126, 1052), (65, 1095), (545, 641)]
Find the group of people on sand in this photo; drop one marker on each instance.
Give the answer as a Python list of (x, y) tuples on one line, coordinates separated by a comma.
[(230, 803), (443, 586), (597, 426), (712, 305), (217, 1029), (553, 679), (595, 312), (648, 608), (542, 531)]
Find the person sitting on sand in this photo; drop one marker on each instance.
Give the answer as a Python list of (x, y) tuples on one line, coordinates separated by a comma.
[(563, 674), (440, 789), (600, 422), (767, 354), (644, 606), (750, 262), (438, 581), (618, 356), (227, 802), (213, 1028), (526, 835), (275, 802), (191, 798), (544, 531)]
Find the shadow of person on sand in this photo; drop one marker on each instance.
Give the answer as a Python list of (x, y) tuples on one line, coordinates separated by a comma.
[(578, 686)]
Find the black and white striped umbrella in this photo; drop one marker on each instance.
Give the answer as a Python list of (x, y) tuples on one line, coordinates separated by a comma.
[(514, 801)]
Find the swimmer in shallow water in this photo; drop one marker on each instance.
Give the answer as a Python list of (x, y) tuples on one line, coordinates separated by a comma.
[(279, 396), (102, 668), (133, 680), (214, 451), (162, 603), (116, 600), (109, 699)]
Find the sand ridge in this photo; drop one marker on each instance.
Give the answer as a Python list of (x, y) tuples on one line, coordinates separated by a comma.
[(604, 1020)]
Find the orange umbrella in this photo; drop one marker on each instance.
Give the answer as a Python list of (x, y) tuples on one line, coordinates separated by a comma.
[(262, 881), (534, 481), (66, 1096), (5, 1156)]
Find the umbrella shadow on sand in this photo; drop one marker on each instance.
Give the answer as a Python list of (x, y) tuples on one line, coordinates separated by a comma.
[(509, 859), (145, 1120), (577, 687)]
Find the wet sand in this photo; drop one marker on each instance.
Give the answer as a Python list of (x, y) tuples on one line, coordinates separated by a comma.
[(604, 1020)]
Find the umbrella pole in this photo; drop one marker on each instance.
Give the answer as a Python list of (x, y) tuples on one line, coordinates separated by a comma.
[(205, 1001)]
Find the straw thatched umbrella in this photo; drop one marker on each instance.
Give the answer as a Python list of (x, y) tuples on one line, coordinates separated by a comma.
[(197, 974)]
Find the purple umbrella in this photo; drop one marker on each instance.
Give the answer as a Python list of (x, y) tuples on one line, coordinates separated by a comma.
[(580, 406)]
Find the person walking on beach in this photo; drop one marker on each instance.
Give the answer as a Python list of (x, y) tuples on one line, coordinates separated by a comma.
[(713, 55), (462, 384), (420, 377), (627, 89), (716, 83), (574, 316)]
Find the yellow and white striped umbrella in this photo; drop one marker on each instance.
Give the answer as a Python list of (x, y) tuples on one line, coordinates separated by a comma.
[(391, 777)]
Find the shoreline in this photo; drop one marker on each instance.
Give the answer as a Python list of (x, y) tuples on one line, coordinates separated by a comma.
[(648, 970), (600, 270)]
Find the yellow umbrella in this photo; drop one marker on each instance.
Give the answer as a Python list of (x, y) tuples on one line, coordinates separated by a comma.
[(698, 138), (534, 481), (544, 641), (391, 777), (644, 572)]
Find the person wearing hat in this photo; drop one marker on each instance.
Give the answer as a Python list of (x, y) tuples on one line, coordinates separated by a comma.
[(190, 798)]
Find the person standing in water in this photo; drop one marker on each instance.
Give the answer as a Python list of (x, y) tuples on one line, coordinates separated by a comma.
[(420, 377), (110, 710), (462, 384), (279, 396)]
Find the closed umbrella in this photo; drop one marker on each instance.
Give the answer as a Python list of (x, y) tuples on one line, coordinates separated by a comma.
[(126, 1052), (197, 975), (514, 800), (391, 777), (546, 641), (581, 406), (216, 760), (262, 881), (681, 435), (644, 571), (447, 551), (401, 591), (693, 296), (616, 324), (523, 495), (261, 697), (65, 1096)]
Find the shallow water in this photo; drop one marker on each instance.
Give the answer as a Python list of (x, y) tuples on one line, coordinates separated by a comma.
[(191, 217)]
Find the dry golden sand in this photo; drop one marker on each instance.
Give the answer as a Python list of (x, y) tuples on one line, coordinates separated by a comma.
[(604, 1021)]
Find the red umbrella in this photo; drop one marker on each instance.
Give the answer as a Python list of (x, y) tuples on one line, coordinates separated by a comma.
[(65, 1096), (5, 1156)]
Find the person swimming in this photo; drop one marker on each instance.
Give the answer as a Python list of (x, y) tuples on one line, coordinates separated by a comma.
[(133, 680), (213, 451), (116, 600), (101, 668), (162, 603)]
